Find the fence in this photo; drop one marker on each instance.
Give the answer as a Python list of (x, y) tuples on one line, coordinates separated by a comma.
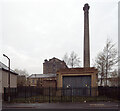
[(111, 92), (36, 94)]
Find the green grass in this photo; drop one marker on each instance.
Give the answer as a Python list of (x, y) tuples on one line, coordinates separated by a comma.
[(55, 99)]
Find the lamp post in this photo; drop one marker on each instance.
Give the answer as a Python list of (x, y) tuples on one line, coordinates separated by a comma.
[(8, 76)]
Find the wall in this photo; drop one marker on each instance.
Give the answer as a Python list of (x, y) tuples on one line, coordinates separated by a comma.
[(93, 79), (43, 82), (0, 89), (79, 72), (0, 81), (53, 65), (13, 80), (49, 83)]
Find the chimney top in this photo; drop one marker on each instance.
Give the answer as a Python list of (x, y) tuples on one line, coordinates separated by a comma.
[(86, 7)]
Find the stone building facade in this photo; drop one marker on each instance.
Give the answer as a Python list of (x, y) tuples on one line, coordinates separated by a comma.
[(53, 65)]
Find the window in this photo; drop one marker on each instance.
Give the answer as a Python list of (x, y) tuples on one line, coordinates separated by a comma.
[(33, 81)]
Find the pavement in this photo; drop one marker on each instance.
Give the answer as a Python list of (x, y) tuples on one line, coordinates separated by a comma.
[(84, 105)]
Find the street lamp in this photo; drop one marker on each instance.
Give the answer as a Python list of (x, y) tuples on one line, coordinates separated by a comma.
[(8, 76)]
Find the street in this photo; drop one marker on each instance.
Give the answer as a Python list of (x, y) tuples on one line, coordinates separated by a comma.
[(98, 106)]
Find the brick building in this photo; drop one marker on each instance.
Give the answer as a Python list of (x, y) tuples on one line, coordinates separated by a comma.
[(42, 80), (48, 78), (83, 78), (53, 65)]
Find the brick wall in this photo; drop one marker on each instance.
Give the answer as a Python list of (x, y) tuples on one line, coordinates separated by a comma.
[(53, 65)]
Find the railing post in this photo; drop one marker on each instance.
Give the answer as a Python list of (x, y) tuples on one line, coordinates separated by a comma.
[(90, 90), (71, 94), (5, 94), (52, 91), (49, 94), (25, 92), (16, 93), (61, 92)]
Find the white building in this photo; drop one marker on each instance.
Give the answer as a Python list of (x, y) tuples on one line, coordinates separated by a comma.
[(4, 78)]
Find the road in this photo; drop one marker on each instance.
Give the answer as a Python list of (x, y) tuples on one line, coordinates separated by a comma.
[(99, 106)]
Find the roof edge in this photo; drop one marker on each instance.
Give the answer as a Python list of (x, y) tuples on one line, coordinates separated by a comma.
[(9, 71)]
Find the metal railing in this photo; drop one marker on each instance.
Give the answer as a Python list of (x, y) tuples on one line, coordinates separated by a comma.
[(37, 94)]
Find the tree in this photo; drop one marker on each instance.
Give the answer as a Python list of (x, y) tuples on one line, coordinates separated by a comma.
[(114, 73), (100, 65), (21, 72), (66, 58), (114, 78), (73, 60), (22, 77), (106, 61)]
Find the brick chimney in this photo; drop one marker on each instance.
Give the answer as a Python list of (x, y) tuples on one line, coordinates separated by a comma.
[(86, 36)]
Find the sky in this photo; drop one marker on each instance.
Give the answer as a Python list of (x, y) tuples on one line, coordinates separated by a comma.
[(34, 30)]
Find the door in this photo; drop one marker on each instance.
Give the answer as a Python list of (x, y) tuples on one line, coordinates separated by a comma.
[(80, 85)]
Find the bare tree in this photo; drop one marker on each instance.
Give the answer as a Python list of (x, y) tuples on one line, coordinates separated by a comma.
[(66, 59), (114, 78), (106, 61), (21, 72), (22, 77), (114, 73), (73, 60), (100, 65)]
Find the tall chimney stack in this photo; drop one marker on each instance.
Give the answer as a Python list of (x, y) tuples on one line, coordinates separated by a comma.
[(86, 36)]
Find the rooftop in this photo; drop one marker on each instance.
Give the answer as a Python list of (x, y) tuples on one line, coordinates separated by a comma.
[(5, 68), (78, 70), (42, 75)]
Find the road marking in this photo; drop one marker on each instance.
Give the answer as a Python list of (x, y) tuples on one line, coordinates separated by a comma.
[(96, 104)]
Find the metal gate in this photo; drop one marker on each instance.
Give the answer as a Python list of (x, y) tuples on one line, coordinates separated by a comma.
[(75, 82)]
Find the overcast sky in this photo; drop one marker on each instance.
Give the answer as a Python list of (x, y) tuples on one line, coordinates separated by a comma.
[(34, 30)]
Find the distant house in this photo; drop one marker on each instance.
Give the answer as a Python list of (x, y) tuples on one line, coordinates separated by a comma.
[(42, 80), (4, 77)]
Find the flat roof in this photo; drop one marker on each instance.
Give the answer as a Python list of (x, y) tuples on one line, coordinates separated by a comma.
[(78, 70), (42, 75)]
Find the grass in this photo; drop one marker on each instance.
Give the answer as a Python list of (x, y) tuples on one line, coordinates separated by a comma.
[(55, 99)]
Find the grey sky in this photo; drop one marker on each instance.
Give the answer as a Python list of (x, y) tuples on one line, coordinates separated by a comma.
[(34, 30)]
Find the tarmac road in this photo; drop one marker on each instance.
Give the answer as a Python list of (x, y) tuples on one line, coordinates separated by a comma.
[(98, 106)]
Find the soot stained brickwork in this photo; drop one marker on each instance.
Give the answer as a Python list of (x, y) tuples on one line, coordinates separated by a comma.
[(53, 65)]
